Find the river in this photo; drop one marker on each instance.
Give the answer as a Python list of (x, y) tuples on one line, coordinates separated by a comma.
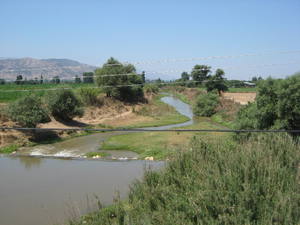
[(53, 175)]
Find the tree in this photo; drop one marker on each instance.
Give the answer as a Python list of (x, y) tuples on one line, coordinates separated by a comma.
[(206, 104), (217, 82), (254, 79), (64, 104), (185, 76), (267, 101), (200, 73), (246, 120), (2, 81), (277, 106), (121, 82), (143, 77), (88, 77), (19, 80), (77, 80), (288, 114), (158, 81), (41, 80), (55, 80), (28, 111)]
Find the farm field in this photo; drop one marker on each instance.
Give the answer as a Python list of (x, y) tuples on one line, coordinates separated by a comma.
[(242, 98), (11, 92), (243, 90)]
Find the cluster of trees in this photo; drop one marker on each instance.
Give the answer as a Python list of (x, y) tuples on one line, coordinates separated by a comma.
[(55, 80), (125, 85), (31, 110), (201, 75), (255, 79), (277, 106), (19, 80), (88, 77)]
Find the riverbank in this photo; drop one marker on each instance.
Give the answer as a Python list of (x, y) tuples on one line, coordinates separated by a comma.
[(114, 114), (158, 145), (230, 102)]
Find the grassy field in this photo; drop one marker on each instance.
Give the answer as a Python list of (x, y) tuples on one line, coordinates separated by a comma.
[(157, 144), (42, 86), (11, 92)]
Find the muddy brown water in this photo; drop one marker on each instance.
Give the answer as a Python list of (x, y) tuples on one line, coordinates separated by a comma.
[(37, 185)]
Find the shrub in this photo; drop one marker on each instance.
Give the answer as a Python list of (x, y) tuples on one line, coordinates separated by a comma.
[(90, 97), (64, 104), (151, 89), (246, 120), (206, 104), (28, 111)]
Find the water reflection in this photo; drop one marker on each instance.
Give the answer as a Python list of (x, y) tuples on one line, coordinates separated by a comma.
[(29, 162)]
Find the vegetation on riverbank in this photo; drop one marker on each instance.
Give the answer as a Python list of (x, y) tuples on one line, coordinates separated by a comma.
[(9, 149), (152, 113), (43, 137), (159, 145), (215, 181)]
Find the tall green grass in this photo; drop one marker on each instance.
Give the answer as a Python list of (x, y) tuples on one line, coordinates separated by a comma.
[(216, 182)]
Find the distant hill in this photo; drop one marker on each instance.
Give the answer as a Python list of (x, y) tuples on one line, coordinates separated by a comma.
[(33, 68)]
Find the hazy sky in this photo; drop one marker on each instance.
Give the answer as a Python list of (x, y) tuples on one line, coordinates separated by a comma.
[(92, 31)]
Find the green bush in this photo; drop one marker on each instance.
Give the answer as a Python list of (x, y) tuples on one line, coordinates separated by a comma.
[(28, 111), (64, 104), (277, 106), (90, 97), (206, 104), (151, 88), (9, 149), (246, 120)]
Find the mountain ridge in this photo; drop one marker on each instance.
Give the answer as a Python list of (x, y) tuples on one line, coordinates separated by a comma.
[(34, 68)]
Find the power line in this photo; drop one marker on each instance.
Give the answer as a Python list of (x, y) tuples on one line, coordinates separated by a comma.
[(178, 71), (203, 58), (150, 130), (158, 61)]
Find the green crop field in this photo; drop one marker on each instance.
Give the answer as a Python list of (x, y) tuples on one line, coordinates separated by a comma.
[(11, 92)]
